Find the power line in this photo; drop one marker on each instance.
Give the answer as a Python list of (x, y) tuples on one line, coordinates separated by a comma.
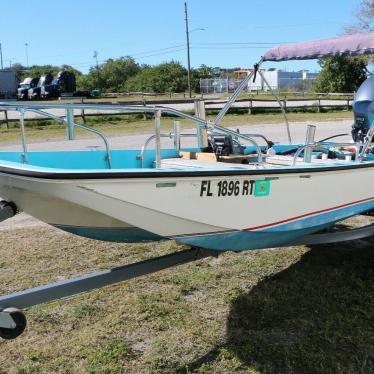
[(174, 47), (157, 50), (182, 47), (159, 54), (264, 47), (85, 64), (131, 54), (241, 43)]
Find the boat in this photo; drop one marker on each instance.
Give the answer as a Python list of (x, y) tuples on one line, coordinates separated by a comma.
[(229, 192)]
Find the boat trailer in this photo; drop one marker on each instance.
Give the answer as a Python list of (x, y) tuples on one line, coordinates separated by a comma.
[(13, 321)]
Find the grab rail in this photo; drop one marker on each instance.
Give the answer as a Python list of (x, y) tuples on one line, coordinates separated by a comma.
[(155, 110), (24, 158), (320, 145), (107, 158), (98, 133), (153, 137)]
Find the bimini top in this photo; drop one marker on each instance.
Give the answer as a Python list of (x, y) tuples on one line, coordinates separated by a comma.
[(347, 45)]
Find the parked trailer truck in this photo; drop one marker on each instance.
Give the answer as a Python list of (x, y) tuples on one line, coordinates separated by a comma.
[(25, 85), (8, 84)]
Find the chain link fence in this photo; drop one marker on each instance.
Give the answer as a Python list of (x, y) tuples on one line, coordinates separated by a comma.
[(294, 82)]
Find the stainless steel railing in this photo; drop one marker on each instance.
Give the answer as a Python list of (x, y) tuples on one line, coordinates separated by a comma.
[(361, 148), (170, 135), (157, 111), (317, 146), (98, 133)]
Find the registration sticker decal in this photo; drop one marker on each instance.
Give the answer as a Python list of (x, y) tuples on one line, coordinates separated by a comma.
[(262, 188)]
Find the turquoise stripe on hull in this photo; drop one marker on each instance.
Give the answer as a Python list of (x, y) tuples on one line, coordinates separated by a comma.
[(246, 240), (118, 235), (273, 236)]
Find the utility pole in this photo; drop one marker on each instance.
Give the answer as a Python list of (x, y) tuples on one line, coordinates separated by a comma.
[(27, 54), (1, 57), (188, 51), (95, 55)]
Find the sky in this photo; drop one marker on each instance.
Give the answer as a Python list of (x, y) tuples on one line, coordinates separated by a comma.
[(235, 33)]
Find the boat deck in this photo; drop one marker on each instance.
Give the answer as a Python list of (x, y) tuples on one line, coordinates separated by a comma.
[(270, 162)]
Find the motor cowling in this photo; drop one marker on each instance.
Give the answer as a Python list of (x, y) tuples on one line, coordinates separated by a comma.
[(363, 110)]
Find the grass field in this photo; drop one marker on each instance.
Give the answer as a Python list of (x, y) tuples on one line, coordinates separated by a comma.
[(286, 310), (113, 125), (223, 96)]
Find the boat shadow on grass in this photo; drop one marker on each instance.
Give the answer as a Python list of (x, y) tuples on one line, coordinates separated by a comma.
[(315, 316)]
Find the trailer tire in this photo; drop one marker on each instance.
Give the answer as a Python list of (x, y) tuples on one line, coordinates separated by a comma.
[(20, 321)]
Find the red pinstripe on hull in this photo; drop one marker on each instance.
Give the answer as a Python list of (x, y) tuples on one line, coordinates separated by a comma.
[(307, 215)]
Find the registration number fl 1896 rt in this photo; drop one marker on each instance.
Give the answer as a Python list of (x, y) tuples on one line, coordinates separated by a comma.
[(234, 188)]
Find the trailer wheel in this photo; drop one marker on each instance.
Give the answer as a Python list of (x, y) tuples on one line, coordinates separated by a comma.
[(20, 320)]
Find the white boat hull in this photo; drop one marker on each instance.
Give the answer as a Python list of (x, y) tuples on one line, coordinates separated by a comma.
[(186, 209)]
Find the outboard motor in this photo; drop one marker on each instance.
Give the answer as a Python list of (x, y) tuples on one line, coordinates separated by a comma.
[(363, 109)]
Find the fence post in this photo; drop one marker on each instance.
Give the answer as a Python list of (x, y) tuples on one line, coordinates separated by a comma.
[(250, 105), (144, 103), (348, 104), (6, 118), (70, 123), (319, 104), (202, 135), (285, 104), (82, 112)]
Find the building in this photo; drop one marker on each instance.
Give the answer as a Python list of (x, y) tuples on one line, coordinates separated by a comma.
[(278, 79)]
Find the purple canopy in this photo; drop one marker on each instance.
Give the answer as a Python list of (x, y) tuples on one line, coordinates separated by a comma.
[(347, 45)]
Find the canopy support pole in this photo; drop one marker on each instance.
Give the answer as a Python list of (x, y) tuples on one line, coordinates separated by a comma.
[(280, 105), (243, 84)]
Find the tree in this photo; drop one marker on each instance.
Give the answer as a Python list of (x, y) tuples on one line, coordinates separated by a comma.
[(110, 76), (114, 73), (201, 72), (69, 68), (166, 77), (365, 18), (84, 82), (19, 69), (341, 74)]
